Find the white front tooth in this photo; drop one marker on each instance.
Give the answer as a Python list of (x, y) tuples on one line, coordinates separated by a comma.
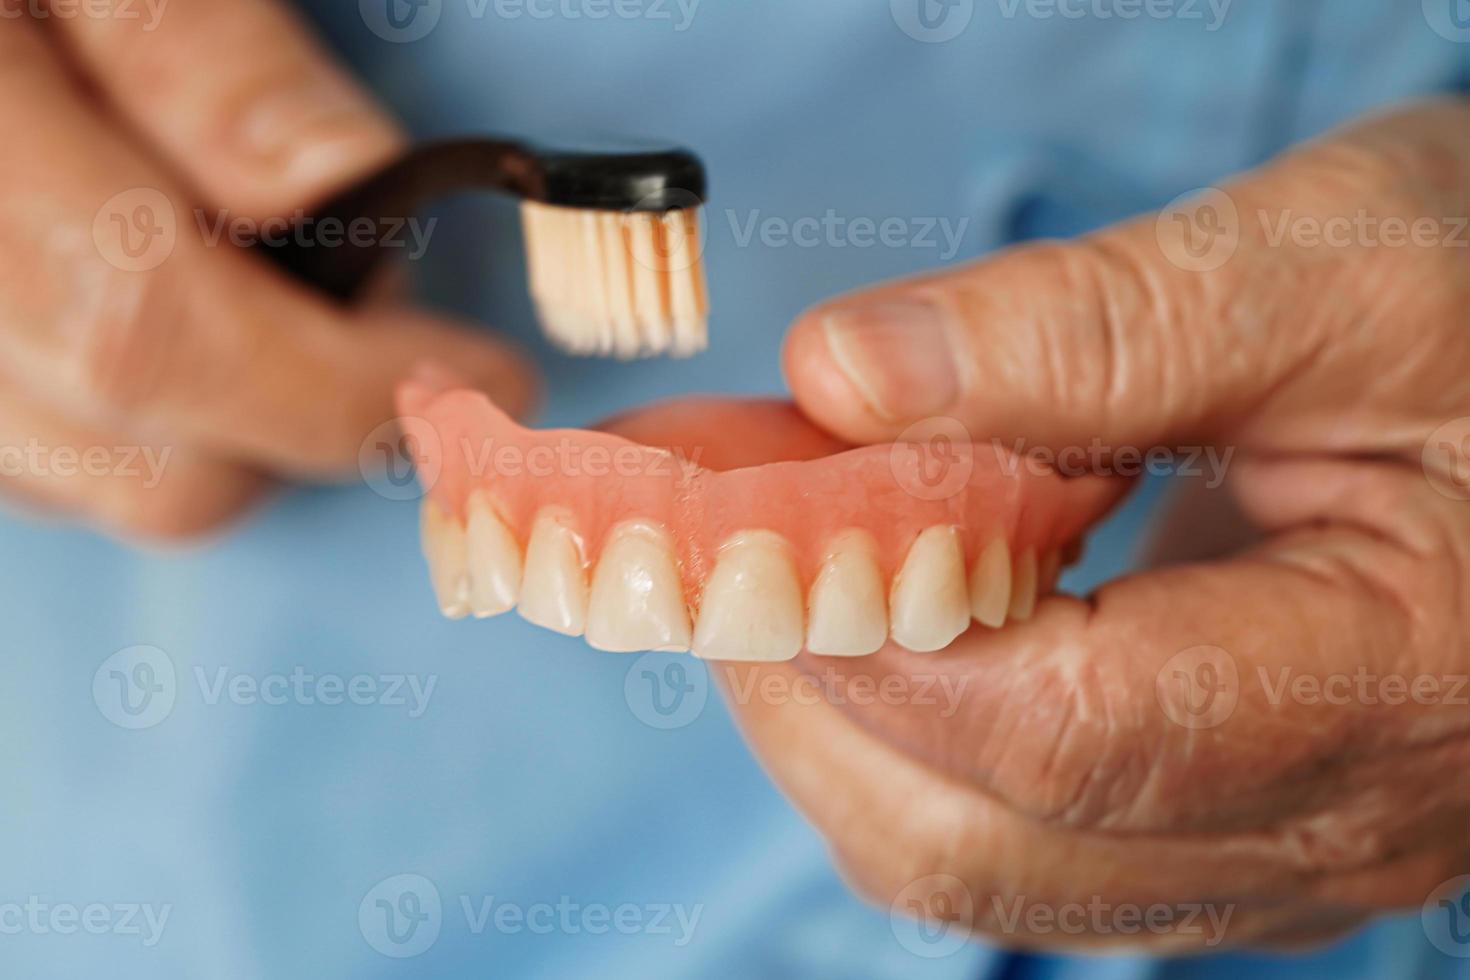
[(1048, 571), (849, 611), (554, 587), (1023, 589), (637, 601), (494, 559), (443, 542), (931, 605), (751, 609), (990, 585)]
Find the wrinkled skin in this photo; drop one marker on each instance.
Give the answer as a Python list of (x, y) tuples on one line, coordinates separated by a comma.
[(1062, 776), (243, 377)]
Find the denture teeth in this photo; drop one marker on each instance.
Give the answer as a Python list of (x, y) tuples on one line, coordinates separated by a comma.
[(751, 609), (494, 559), (443, 541), (554, 586), (931, 605), (1023, 586), (990, 585), (637, 602), (849, 611)]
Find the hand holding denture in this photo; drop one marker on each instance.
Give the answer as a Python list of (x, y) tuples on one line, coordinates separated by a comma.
[(1153, 744), (1276, 736)]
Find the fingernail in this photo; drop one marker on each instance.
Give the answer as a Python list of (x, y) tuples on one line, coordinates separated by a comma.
[(897, 355), (437, 376), (315, 128)]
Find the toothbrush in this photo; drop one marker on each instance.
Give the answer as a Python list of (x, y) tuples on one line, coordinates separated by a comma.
[(613, 249)]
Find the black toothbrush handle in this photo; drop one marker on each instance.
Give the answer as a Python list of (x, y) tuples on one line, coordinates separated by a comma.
[(395, 194), (640, 179)]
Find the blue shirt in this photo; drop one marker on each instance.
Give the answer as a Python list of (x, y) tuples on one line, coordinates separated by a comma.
[(274, 752)]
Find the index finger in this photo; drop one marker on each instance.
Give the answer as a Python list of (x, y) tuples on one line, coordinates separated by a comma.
[(126, 315)]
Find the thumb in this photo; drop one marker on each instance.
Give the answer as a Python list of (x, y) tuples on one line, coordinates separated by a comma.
[(1058, 343)]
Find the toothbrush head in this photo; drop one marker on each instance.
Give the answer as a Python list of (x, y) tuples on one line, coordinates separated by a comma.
[(614, 244), (614, 251)]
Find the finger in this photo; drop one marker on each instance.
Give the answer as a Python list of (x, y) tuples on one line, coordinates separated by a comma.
[(195, 345), (245, 102), (895, 824), (1122, 338), (131, 487), (1174, 699), (901, 832)]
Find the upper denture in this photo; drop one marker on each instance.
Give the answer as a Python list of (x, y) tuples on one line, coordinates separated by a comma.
[(733, 559)]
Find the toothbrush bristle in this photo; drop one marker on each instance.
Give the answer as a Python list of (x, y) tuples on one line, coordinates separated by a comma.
[(619, 284)]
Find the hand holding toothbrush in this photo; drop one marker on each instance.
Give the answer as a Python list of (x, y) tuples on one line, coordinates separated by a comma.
[(154, 380)]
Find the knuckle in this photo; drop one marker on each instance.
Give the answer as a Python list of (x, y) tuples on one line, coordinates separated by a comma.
[(1073, 747), (174, 511), (1100, 313), (122, 351)]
